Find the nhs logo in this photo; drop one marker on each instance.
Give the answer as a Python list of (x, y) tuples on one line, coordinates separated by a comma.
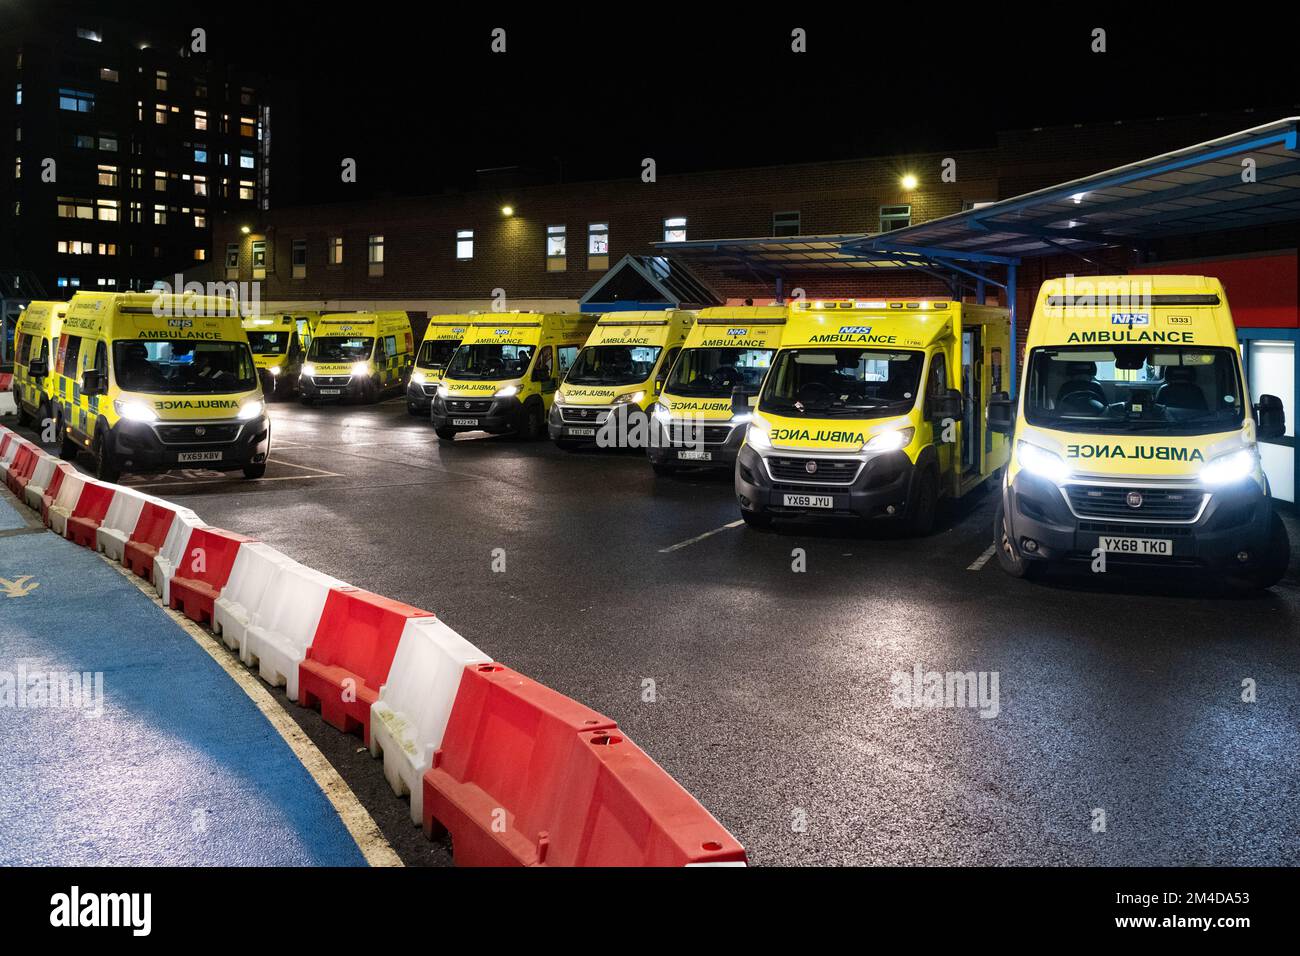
[(737, 331), (501, 331), (1130, 318), (855, 330)]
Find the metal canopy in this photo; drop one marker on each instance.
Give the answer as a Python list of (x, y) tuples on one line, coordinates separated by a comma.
[(1190, 190), (648, 282)]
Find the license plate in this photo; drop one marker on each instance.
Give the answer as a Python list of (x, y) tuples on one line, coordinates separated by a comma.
[(189, 456), (809, 501), (465, 422), (582, 431), (331, 391), (695, 455), (1160, 547)]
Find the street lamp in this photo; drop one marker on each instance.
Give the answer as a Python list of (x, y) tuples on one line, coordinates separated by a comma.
[(908, 182), (507, 211), (245, 230)]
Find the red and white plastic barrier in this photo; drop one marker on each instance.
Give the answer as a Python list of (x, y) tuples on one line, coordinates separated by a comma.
[(285, 624), (518, 773), (408, 720)]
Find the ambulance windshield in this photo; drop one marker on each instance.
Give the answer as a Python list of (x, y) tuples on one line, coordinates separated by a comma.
[(1125, 388), (161, 366), (842, 383)]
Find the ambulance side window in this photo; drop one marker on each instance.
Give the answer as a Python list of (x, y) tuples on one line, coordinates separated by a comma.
[(390, 345), (667, 365), (20, 355), (938, 382), (543, 371), (566, 353), (101, 362), (70, 356)]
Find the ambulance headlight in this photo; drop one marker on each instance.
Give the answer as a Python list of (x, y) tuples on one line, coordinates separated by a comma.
[(1226, 469), (1041, 462), (251, 410), (361, 368), (308, 369), (417, 378), (757, 436), (274, 370), (741, 419), (661, 413), (892, 440), (134, 411), (508, 391), (560, 399), (631, 398)]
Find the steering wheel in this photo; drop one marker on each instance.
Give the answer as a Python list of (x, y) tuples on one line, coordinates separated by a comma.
[(815, 392)]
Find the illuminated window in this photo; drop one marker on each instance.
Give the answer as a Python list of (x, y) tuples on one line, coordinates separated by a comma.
[(246, 160), (556, 248), (200, 185), (160, 114), (200, 155), (675, 229), (159, 215), (106, 209), (246, 189), (160, 81), (895, 217), (464, 243), (108, 142), (77, 101), (247, 127), (107, 74), (786, 223), (375, 255), (200, 255), (298, 259), (232, 255), (76, 208), (598, 245), (336, 251), (107, 175), (160, 180), (200, 119)]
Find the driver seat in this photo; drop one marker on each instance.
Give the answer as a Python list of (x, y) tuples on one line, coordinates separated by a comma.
[(1180, 390)]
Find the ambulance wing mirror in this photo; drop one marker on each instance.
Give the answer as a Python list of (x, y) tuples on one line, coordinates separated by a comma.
[(92, 382), (946, 405), (38, 368), (742, 399), (1000, 412), (1271, 417)]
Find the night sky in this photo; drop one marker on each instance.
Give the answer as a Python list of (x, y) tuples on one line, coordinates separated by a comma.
[(418, 98)]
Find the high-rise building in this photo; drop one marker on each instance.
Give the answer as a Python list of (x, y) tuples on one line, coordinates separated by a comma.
[(120, 145)]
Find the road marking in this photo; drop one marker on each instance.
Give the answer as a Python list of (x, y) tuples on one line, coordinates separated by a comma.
[(172, 480), (369, 839), (700, 537), (983, 559)]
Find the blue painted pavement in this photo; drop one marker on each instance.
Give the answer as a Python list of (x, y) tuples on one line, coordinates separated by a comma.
[(180, 768), (10, 519)]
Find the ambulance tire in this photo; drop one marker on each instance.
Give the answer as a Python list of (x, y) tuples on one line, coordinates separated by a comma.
[(925, 503), (664, 471), (253, 472), (446, 434), (533, 425), (1277, 557), (24, 419), (106, 466), (1009, 558), (755, 520), (67, 445)]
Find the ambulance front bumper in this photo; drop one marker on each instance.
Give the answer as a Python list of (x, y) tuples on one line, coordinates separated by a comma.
[(336, 388), (496, 416), (780, 483), (708, 444), (216, 445), (1223, 529), (618, 426)]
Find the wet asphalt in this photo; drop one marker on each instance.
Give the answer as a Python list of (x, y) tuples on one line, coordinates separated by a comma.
[(1121, 736)]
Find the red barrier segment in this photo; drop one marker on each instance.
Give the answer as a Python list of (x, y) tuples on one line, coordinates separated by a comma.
[(350, 656), (5, 439), (89, 513), (21, 468), (149, 534), (511, 750), (52, 492), (203, 572)]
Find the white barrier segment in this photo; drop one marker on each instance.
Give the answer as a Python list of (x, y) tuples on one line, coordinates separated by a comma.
[(41, 478), (10, 453), (285, 625), (7, 404), (172, 553), (119, 522), (65, 502), (245, 590), (408, 720)]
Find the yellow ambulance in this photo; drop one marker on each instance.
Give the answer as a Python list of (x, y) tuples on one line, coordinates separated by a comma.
[(1134, 437), (700, 417), (277, 352), (874, 409), (617, 377), (505, 373), (150, 381), (441, 338), (357, 355), (35, 340)]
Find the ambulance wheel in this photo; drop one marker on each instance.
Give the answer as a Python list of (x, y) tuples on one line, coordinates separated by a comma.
[(67, 445), (759, 522), (446, 434), (925, 502), (1277, 556), (565, 444), (1009, 558), (414, 411), (106, 466), (23, 418), (533, 426), (252, 472), (664, 471)]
